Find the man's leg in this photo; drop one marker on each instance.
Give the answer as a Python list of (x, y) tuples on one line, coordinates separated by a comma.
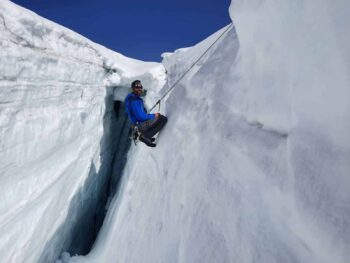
[(149, 128), (155, 127), (143, 127)]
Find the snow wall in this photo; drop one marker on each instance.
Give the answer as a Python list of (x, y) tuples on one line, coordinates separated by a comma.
[(254, 163), (57, 134)]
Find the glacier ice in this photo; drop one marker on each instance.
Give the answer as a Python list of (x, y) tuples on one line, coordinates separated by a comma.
[(56, 133), (253, 165)]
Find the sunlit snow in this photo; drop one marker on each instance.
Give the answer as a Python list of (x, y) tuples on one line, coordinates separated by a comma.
[(56, 114), (253, 165)]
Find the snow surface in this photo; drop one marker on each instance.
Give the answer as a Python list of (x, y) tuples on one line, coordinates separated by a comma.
[(254, 163), (56, 144)]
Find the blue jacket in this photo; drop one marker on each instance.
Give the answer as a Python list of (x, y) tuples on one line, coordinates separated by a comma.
[(136, 110)]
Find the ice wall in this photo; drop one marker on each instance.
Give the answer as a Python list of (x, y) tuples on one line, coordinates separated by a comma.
[(294, 74), (254, 163), (57, 136)]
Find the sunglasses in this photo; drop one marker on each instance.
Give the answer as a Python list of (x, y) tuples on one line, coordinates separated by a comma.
[(138, 87)]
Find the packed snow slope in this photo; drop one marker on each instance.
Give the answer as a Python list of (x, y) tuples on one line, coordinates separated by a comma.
[(56, 139), (254, 163)]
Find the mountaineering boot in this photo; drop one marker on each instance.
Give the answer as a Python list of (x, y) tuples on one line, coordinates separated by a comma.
[(147, 141)]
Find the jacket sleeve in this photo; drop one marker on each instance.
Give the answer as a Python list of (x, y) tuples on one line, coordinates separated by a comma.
[(139, 111)]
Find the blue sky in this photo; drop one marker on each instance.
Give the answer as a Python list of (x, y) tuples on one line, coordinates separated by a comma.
[(141, 29)]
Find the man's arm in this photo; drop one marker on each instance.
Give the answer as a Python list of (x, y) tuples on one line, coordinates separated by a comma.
[(139, 111)]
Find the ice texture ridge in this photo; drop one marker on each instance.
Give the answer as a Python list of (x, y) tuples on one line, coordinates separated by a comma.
[(56, 140)]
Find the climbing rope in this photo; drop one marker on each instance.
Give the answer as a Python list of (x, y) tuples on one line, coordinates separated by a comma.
[(188, 70)]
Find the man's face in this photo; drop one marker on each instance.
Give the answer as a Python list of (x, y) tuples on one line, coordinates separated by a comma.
[(137, 89)]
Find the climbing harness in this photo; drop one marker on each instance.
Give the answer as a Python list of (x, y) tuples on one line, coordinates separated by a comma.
[(188, 70)]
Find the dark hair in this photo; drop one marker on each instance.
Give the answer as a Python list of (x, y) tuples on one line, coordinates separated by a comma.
[(135, 82)]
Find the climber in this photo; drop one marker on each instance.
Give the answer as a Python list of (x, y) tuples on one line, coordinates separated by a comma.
[(147, 124)]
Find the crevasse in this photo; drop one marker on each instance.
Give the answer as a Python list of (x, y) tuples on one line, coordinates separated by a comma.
[(253, 165), (58, 134)]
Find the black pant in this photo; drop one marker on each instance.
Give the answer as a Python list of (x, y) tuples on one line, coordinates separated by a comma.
[(151, 127)]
